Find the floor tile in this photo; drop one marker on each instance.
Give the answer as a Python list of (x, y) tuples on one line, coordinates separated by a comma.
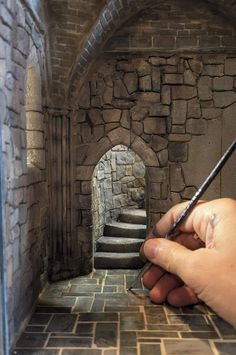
[(32, 340), (69, 342), (150, 349), (226, 348), (62, 323), (131, 321), (36, 352), (190, 347), (106, 335)]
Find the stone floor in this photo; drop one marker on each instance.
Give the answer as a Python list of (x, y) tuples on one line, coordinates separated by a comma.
[(94, 315)]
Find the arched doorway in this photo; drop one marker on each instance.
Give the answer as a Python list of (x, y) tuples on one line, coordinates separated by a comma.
[(118, 208)]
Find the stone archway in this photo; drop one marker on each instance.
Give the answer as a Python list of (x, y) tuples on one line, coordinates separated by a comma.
[(92, 153)]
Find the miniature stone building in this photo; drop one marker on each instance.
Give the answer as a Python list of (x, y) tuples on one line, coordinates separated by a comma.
[(79, 78)]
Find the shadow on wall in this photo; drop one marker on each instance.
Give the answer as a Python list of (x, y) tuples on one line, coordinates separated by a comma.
[(118, 183)]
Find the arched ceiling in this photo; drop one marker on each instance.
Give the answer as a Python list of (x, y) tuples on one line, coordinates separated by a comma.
[(80, 28)]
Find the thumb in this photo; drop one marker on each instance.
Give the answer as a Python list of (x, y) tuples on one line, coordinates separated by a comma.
[(171, 256)]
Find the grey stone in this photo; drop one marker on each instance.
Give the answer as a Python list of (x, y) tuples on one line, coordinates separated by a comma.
[(95, 116), (179, 111), (196, 126), (139, 112), (156, 79), (223, 83), (211, 113), (112, 115), (224, 99), (183, 92), (214, 70), (131, 82), (159, 143), (108, 95), (165, 95), (189, 78), (159, 110), (155, 125), (230, 66), (139, 170), (125, 158), (149, 97), (205, 88), (173, 79), (194, 109), (120, 91), (145, 83), (178, 151), (176, 178)]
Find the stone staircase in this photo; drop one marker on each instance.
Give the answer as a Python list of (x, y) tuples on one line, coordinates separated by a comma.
[(119, 247)]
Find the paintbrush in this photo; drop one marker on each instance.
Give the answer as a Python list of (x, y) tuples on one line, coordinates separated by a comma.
[(174, 229)]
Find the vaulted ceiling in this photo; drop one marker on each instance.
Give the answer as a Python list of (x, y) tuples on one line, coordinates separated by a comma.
[(80, 28)]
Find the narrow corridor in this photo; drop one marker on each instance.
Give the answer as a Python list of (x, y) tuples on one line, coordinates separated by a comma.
[(94, 315)]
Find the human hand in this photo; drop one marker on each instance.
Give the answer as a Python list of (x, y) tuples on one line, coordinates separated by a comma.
[(183, 271)]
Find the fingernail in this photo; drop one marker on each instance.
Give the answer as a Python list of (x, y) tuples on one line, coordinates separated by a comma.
[(150, 249)]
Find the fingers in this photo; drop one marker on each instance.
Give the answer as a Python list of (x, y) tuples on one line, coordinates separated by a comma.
[(163, 287), (152, 276), (170, 256), (182, 296)]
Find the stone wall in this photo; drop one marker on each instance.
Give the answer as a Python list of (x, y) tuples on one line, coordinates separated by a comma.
[(25, 186), (118, 183), (166, 108)]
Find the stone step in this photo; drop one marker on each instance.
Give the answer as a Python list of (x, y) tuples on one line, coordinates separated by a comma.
[(137, 216), (104, 260), (118, 245), (125, 230)]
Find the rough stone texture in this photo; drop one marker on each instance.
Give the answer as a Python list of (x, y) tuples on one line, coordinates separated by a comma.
[(25, 210), (118, 183)]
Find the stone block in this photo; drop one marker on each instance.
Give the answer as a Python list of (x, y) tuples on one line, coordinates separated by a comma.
[(165, 95), (157, 174), (157, 61), (224, 98), (22, 40), (149, 97), (108, 95), (35, 139), (194, 109), (142, 66), (84, 98), (138, 112), (120, 91), (131, 82), (98, 132), (116, 187), (125, 66), (196, 126), (205, 88), (163, 157), (179, 111), (139, 170), (189, 78), (196, 65), (125, 119), (155, 190), (120, 136), (214, 70), (211, 113), (177, 183), (164, 42), (145, 83), (84, 172), (112, 115), (178, 129), (172, 79), (124, 158), (159, 143), (95, 116), (178, 151), (230, 66), (137, 127), (186, 42), (34, 121), (156, 79), (154, 125), (177, 137), (183, 92), (175, 198), (223, 83), (147, 155), (84, 201), (36, 157), (159, 110)]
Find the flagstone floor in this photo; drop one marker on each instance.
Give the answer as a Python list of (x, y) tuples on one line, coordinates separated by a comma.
[(95, 315)]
